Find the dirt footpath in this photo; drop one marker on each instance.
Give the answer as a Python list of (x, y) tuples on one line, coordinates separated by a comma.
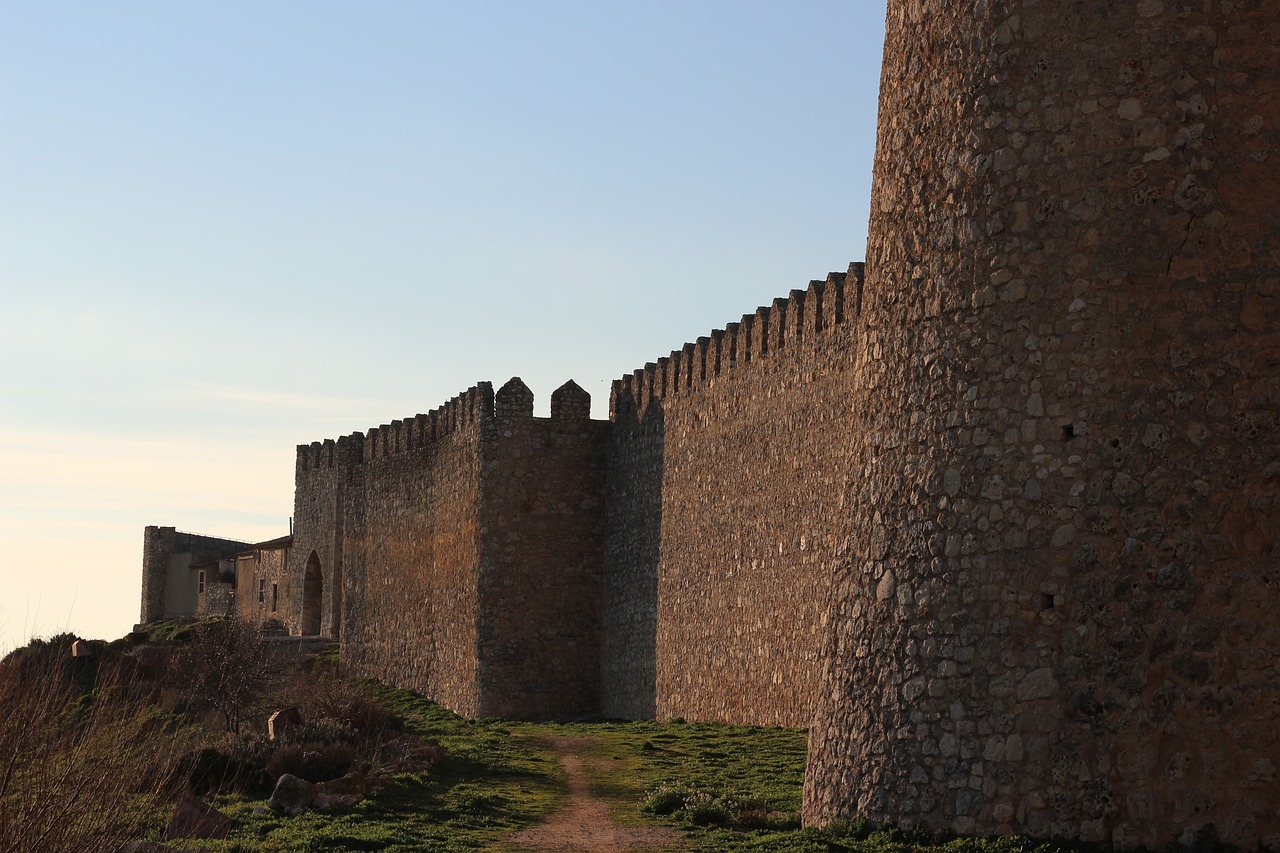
[(583, 822)]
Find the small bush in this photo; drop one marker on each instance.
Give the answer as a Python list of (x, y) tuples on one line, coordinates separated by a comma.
[(761, 818), (408, 754), (216, 770), (704, 809), (367, 716), (315, 762), (664, 800), (152, 663), (854, 830), (319, 731), (348, 703), (225, 667)]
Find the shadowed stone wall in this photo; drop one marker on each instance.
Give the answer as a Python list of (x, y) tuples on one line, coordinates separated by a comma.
[(412, 550), (542, 556), (629, 614), (470, 542), (727, 477), (1056, 615)]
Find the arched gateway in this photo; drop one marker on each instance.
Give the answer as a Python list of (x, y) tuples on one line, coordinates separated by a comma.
[(312, 596)]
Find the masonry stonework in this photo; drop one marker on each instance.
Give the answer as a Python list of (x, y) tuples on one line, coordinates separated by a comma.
[(412, 546), (475, 533), (169, 584), (1056, 615), (542, 556), (998, 515), (266, 588), (722, 541), (321, 476)]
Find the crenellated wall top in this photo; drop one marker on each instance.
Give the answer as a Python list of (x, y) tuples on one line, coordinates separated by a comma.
[(784, 325)]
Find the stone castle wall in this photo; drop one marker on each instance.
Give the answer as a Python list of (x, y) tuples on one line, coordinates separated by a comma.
[(1067, 450), (321, 472), (471, 543), (727, 482), (412, 516), (671, 562), (542, 557), (629, 596)]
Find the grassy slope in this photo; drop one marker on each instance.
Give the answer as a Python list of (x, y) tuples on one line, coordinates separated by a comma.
[(501, 776), (491, 783)]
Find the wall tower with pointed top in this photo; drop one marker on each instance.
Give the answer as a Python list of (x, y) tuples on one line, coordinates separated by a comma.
[(460, 552)]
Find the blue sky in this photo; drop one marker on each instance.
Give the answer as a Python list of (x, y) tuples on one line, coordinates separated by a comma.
[(227, 228)]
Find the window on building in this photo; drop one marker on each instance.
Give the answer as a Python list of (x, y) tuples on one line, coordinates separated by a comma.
[(262, 590), (200, 583), (275, 596)]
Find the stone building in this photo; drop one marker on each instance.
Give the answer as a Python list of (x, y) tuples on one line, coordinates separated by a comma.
[(996, 515), (264, 585), (186, 575), (177, 569)]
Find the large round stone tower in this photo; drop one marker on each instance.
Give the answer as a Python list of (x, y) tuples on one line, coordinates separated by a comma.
[(1060, 612)]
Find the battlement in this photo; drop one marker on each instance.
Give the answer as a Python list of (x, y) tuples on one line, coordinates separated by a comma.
[(471, 408), (570, 402), (514, 400), (321, 455), (786, 324), (476, 406), (317, 454)]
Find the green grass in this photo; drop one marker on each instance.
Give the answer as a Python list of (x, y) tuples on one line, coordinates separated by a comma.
[(502, 776), (749, 764), (492, 782)]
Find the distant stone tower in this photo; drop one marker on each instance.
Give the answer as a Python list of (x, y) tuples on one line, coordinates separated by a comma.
[(1059, 611)]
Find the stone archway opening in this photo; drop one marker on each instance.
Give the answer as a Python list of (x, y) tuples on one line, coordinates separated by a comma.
[(312, 596)]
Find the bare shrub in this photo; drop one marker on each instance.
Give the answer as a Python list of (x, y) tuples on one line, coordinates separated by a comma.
[(319, 731), (350, 704), (315, 762), (153, 665), (225, 667), (407, 754), (339, 713), (228, 763), (84, 764)]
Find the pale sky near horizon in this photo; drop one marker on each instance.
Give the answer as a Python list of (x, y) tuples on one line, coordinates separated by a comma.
[(227, 228)]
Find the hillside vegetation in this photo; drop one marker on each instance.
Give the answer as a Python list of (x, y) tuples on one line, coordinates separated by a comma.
[(95, 750)]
